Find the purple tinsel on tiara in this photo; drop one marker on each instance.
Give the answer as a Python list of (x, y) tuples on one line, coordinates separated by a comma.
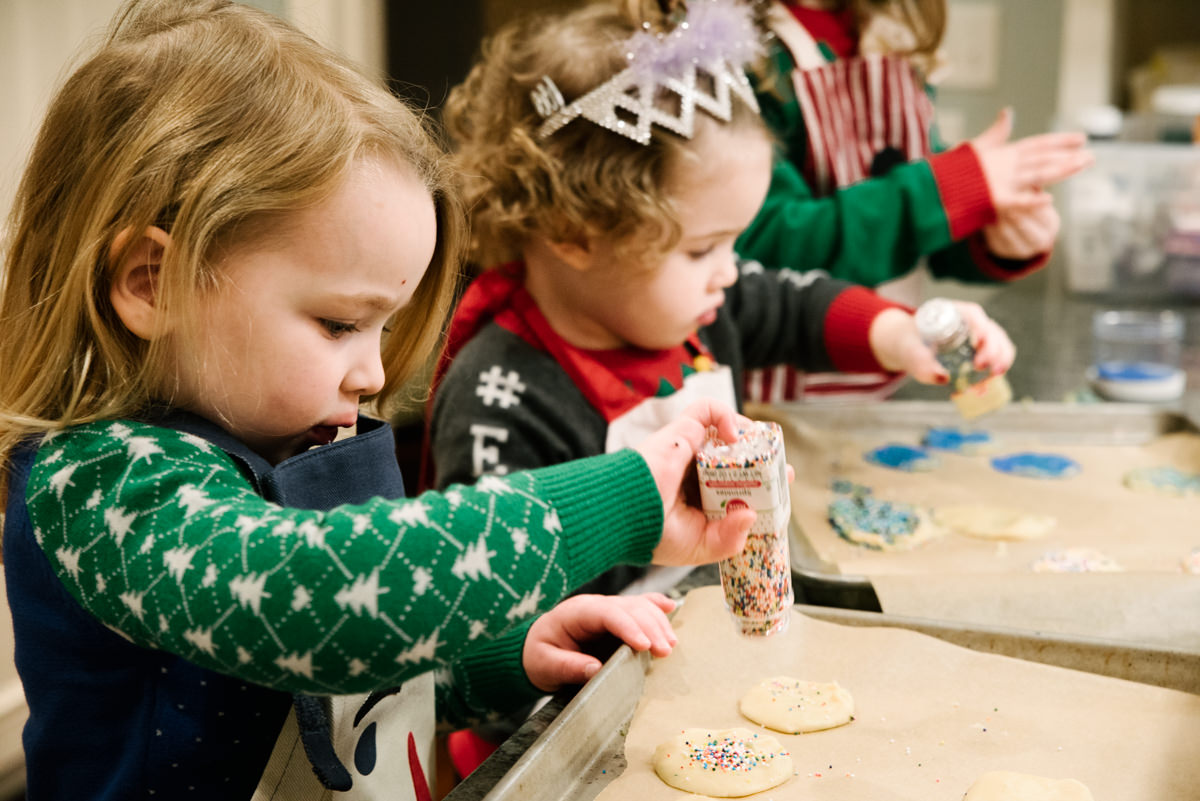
[(721, 30)]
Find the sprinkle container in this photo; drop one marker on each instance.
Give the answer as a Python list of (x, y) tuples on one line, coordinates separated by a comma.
[(752, 472)]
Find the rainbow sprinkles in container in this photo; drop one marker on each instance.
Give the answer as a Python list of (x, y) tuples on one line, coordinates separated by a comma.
[(752, 472)]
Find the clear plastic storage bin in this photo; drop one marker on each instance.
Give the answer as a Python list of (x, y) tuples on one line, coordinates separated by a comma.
[(1131, 222)]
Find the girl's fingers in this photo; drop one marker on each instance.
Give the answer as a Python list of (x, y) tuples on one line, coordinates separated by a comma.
[(994, 351)]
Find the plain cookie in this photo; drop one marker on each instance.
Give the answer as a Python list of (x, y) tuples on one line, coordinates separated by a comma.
[(796, 706), (993, 522), (1003, 785)]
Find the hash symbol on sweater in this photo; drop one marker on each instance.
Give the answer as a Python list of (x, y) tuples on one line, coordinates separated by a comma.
[(497, 386)]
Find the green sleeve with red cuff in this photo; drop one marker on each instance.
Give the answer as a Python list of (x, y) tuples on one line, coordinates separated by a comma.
[(159, 536), (879, 228)]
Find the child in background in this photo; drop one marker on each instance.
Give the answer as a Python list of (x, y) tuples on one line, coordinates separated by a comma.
[(862, 189), (615, 176), (611, 177), (221, 228)]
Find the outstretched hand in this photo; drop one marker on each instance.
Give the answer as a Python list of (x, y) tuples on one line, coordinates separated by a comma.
[(554, 648), (689, 537), (899, 348), (1017, 172), (1023, 233)]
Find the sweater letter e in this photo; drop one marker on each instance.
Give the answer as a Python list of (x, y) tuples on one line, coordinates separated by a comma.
[(486, 458)]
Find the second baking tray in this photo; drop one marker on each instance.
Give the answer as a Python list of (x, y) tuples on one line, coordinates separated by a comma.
[(847, 430)]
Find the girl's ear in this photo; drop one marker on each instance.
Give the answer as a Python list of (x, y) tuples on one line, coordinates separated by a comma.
[(577, 253), (134, 289)]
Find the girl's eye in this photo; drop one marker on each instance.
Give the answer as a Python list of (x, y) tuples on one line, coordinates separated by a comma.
[(336, 328), (696, 255)]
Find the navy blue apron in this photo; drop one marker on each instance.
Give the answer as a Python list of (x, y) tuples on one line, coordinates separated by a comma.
[(348, 471)]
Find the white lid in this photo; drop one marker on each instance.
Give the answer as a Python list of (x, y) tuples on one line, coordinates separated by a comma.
[(1101, 122), (1180, 98)]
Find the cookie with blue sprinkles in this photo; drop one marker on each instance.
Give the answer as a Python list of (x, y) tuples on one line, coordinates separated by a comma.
[(902, 457), (958, 440), (1037, 465), (1163, 480), (857, 516)]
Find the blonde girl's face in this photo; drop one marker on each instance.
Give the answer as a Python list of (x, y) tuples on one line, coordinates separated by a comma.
[(658, 304), (289, 341)]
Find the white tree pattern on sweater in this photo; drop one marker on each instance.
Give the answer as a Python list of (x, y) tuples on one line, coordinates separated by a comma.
[(158, 534)]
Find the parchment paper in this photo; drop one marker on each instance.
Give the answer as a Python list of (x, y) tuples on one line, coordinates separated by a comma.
[(1145, 533), (930, 717), (1146, 608)]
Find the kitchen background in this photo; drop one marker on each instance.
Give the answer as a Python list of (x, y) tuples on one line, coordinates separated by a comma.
[(1131, 234)]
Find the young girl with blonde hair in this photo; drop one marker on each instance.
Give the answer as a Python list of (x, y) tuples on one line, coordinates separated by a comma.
[(225, 240)]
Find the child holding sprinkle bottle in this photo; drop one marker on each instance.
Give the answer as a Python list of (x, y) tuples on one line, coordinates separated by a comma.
[(226, 239), (614, 158), (863, 188)]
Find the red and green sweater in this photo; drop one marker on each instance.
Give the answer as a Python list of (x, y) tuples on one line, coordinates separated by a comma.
[(876, 229)]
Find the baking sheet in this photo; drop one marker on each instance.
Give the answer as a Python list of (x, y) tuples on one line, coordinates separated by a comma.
[(930, 717), (1146, 608), (1143, 532), (582, 751)]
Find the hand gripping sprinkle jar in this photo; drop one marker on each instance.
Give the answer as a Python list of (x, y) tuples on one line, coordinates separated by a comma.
[(752, 472)]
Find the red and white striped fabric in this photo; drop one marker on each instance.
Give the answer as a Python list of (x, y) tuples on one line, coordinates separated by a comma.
[(853, 108), (783, 383)]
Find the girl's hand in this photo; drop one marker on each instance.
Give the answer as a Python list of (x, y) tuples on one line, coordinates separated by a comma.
[(554, 648), (898, 347), (1016, 172), (689, 537), (1023, 233)]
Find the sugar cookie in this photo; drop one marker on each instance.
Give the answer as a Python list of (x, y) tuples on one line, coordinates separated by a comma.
[(728, 763), (796, 706), (957, 440), (902, 457), (1037, 465), (1163, 480), (859, 517), (1003, 785), (993, 522), (1076, 560)]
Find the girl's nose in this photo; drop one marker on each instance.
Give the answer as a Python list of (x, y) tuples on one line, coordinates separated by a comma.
[(365, 376), (727, 273)]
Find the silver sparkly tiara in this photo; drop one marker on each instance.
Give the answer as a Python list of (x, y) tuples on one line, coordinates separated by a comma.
[(701, 62)]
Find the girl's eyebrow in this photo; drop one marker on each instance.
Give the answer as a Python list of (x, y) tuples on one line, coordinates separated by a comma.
[(370, 300), (716, 234)]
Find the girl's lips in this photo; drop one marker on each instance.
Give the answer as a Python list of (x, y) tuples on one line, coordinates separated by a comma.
[(708, 318), (323, 435)]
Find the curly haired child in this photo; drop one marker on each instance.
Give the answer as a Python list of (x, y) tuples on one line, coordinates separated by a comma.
[(614, 157)]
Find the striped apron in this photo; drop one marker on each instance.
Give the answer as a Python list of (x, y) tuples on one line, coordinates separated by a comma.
[(862, 115)]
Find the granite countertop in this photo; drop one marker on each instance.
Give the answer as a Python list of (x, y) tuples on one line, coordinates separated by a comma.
[(1052, 329)]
